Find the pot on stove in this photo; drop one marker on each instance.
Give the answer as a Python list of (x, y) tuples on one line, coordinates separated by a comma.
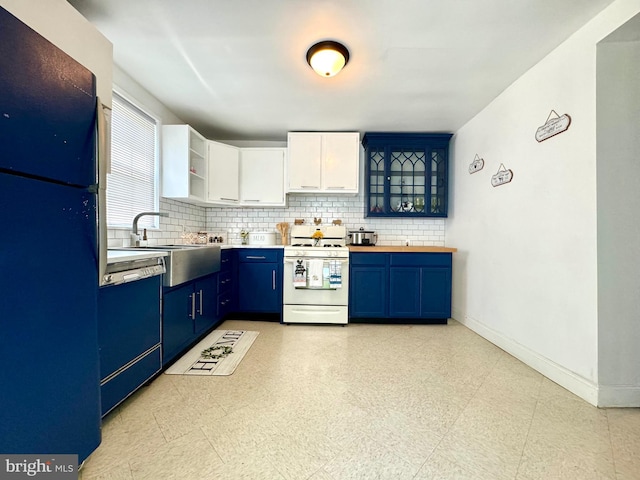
[(363, 237)]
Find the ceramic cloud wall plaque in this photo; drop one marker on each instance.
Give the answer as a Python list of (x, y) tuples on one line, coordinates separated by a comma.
[(476, 165), (554, 125), (502, 176)]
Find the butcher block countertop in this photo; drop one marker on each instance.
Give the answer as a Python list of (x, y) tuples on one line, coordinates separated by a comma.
[(392, 249)]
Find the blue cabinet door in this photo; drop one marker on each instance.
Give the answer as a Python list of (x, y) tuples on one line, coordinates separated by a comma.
[(368, 291), (259, 290), (435, 293), (206, 292), (177, 321), (404, 292)]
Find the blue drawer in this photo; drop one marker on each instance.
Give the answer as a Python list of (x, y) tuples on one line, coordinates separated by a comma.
[(420, 260), (260, 255), (225, 280), (368, 258), (226, 260)]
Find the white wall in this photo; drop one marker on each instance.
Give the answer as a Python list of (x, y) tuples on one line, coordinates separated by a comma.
[(526, 273), (618, 190), (62, 25)]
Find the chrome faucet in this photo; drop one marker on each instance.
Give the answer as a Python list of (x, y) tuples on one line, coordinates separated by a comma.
[(135, 238)]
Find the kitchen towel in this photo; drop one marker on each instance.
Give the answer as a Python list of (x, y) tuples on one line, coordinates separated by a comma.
[(299, 274), (314, 273), (335, 278)]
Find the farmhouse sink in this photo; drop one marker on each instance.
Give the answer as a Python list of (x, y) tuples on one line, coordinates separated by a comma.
[(185, 262)]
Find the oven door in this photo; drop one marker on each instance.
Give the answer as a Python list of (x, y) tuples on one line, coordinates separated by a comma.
[(315, 296)]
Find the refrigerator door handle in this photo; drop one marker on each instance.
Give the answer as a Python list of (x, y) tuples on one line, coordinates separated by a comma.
[(104, 140), (103, 154)]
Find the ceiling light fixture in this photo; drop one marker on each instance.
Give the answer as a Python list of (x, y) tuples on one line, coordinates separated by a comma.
[(327, 58)]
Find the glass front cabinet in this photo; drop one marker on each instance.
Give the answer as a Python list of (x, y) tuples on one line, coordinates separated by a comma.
[(406, 174)]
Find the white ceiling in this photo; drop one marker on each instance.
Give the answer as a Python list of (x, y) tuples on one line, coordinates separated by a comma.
[(237, 69)]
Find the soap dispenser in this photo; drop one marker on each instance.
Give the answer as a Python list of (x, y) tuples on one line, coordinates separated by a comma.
[(143, 242)]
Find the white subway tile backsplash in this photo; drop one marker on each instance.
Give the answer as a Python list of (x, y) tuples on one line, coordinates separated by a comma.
[(394, 231), (229, 221)]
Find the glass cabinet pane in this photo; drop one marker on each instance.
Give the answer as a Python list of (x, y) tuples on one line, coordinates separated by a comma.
[(406, 174), (407, 179), (438, 181), (376, 180)]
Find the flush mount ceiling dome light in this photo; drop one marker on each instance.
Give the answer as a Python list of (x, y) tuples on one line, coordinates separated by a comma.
[(327, 58)]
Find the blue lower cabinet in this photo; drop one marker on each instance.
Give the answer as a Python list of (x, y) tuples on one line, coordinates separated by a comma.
[(400, 286), (435, 293), (178, 310), (188, 312), (227, 292), (404, 292), (260, 280), (368, 291), (206, 291)]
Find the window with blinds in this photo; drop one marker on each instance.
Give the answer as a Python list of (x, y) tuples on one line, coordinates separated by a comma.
[(132, 185)]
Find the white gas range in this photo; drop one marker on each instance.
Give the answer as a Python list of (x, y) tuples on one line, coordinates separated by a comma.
[(316, 276)]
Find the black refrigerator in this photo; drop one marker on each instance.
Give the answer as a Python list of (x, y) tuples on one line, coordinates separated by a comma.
[(49, 372)]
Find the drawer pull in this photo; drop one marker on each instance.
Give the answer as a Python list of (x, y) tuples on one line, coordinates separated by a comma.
[(254, 257)]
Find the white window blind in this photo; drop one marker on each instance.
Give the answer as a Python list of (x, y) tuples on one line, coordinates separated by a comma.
[(132, 183)]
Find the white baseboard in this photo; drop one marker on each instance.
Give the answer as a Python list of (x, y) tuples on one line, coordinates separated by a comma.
[(576, 384)]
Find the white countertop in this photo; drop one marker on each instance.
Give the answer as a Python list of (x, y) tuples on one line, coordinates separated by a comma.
[(115, 256)]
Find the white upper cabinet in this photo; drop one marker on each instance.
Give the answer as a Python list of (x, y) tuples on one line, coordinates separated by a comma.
[(262, 177), (326, 162), (305, 161), (223, 174), (184, 164), (340, 162)]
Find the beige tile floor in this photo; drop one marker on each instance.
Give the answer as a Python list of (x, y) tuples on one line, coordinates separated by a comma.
[(366, 402)]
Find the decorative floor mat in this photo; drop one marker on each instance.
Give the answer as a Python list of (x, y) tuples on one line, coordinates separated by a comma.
[(219, 353)]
